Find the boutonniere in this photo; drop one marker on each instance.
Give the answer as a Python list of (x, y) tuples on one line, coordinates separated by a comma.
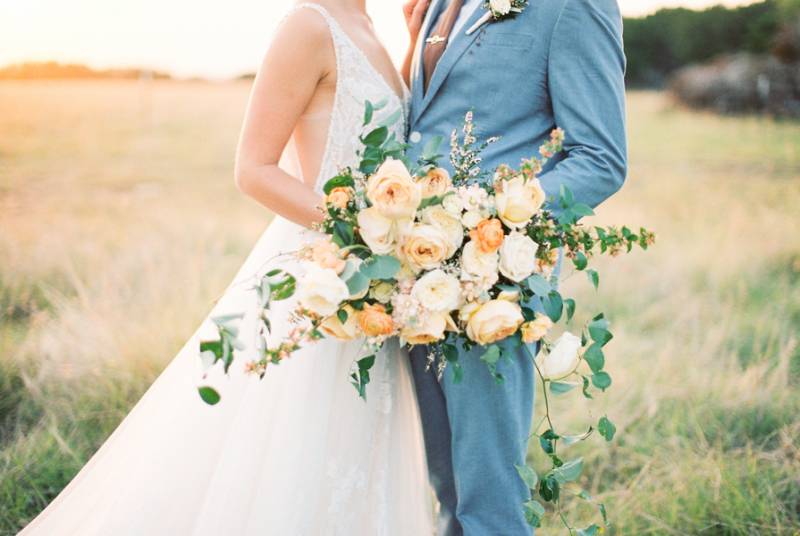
[(497, 10)]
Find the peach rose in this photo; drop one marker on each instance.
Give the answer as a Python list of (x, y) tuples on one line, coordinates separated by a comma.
[(435, 183), (494, 321), (424, 247), (326, 254), (432, 329), (488, 235), (339, 197), (374, 321), (535, 330), (393, 192), (333, 327)]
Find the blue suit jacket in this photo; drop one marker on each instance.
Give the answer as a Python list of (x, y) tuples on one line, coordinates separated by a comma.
[(559, 63)]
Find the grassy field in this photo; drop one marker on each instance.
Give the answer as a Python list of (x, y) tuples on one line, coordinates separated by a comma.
[(119, 225)]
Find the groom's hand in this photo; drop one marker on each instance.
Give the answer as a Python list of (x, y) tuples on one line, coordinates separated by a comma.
[(414, 12)]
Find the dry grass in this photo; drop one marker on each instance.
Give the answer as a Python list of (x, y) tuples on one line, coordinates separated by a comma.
[(119, 224)]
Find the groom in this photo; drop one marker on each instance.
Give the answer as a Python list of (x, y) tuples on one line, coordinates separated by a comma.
[(558, 63)]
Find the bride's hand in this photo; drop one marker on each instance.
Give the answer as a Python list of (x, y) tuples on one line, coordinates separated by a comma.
[(414, 12)]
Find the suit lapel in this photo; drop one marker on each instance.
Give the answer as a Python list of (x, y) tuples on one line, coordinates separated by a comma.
[(457, 47), (417, 88)]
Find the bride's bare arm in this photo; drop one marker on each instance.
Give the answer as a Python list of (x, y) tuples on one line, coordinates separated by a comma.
[(414, 12), (299, 58)]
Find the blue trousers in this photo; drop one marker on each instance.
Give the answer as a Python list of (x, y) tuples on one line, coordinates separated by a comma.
[(475, 432)]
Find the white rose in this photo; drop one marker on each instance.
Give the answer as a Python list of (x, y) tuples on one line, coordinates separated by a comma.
[(449, 224), (452, 203), (437, 291), (563, 358), (322, 291), (378, 232), (518, 257), (477, 264), (501, 7), (471, 218)]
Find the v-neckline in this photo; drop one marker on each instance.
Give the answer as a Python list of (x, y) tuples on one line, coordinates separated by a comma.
[(403, 88)]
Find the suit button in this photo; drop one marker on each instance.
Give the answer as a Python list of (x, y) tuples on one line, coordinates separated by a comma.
[(415, 137)]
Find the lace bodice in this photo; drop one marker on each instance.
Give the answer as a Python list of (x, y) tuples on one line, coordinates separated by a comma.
[(357, 81)]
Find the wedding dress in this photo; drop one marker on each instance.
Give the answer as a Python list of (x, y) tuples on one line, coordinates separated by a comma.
[(298, 453)]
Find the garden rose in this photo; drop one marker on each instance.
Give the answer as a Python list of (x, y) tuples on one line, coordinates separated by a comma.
[(393, 192), (518, 257), (322, 291), (333, 327), (382, 292), (501, 7), (488, 235), (494, 321), (437, 291), (431, 329), (339, 197), (448, 223), (435, 183), (536, 329), (518, 201), (424, 247), (477, 264), (326, 254), (563, 358), (374, 321), (378, 232)]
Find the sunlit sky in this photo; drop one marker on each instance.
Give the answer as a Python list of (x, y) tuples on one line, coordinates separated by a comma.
[(184, 37)]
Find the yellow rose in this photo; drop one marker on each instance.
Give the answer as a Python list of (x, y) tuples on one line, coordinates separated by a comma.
[(374, 321), (447, 222), (393, 192), (333, 327), (432, 329), (424, 247), (436, 182), (339, 197), (494, 321), (535, 330), (518, 201)]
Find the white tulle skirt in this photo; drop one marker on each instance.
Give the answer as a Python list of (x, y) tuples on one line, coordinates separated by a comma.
[(297, 453)]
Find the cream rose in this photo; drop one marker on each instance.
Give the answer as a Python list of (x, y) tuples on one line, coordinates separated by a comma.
[(333, 327), (424, 247), (452, 203), (471, 219), (378, 232), (435, 183), (563, 358), (437, 291), (431, 329), (501, 7), (477, 264), (494, 321), (322, 291), (518, 257), (537, 329), (449, 224), (393, 192), (518, 201)]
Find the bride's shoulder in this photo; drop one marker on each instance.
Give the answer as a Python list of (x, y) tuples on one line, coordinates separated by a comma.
[(302, 38)]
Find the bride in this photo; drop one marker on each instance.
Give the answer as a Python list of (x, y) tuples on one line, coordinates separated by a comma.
[(297, 453)]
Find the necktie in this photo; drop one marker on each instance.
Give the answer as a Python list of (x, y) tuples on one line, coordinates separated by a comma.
[(437, 42)]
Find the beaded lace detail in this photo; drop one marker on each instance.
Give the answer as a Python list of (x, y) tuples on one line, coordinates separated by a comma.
[(357, 81)]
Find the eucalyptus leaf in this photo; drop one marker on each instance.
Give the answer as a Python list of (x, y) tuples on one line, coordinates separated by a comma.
[(594, 278), (594, 357), (560, 388), (606, 428), (209, 395), (534, 512), (528, 475), (381, 267), (553, 305), (539, 285), (601, 380), (569, 472)]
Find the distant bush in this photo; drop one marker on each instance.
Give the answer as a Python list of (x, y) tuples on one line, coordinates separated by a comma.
[(669, 39)]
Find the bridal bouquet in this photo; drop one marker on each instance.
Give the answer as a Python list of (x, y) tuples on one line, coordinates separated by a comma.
[(469, 260)]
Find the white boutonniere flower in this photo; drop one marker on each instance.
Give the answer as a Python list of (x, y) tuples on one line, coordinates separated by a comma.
[(497, 10)]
